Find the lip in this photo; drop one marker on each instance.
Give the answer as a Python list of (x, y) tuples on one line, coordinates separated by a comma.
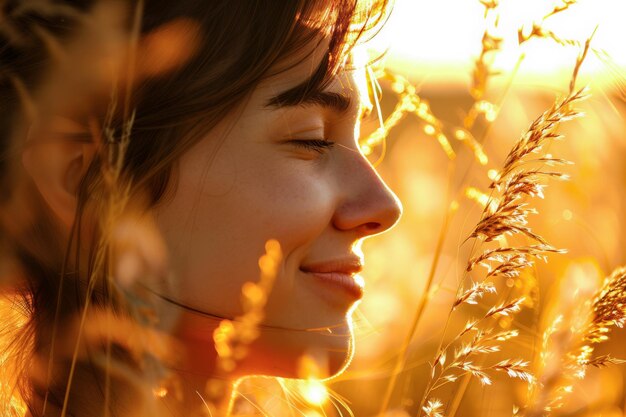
[(340, 274)]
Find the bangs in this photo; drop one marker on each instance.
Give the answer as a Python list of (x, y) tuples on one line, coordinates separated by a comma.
[(340, 23)]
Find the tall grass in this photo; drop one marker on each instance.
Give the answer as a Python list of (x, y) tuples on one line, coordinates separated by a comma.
[(503, 247)]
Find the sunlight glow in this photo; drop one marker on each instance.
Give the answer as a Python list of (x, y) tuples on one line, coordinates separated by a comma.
[(440, 39), (314, 392)]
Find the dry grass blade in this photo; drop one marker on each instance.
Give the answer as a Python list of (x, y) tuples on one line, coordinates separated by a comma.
[(567, 350), (540, 131), (433, 408), (608, 310), (514, 368), (506, 308), (477, 290), (609, 307), (232, 338), (508, 214), (485, 341), (483, 71), (602, 361), (505, 255), (538, 30), (409, 102)]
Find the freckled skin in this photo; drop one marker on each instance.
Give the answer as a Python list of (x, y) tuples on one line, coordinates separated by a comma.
[(244, 184)]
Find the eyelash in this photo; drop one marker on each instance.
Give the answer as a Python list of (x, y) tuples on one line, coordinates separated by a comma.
[(317, 145)]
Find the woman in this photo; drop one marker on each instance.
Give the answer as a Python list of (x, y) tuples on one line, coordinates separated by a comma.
[(158, 149)]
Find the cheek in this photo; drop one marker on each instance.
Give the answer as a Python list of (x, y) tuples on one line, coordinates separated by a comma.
[(294, 206), (217, 223)]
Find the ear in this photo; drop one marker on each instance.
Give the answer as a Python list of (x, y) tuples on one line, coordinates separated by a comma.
[(57, 163)]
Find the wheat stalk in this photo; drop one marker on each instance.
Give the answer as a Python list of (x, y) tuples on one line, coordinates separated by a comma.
[(567, 349), (483, 72), (609, 307), (409, 102), (506, 214), (538, 29)]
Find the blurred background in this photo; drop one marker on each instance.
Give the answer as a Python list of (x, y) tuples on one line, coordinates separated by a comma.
[(435, 45), (459, 82)]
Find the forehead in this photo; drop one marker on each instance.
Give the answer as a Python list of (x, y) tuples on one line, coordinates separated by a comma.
[(299, 69)]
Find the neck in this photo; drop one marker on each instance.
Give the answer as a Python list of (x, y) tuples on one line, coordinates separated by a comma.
[(192, 395), (198, 381)]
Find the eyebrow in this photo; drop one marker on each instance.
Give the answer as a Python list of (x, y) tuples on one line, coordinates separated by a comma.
[(302, 95)]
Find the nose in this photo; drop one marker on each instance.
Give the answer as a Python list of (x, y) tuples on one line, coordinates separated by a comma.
[(367, 206)]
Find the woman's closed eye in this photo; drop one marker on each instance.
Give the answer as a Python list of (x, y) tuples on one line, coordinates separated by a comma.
[(317, 145)]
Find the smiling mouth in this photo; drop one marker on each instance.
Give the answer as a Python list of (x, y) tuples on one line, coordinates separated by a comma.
[(349, 284), (338, 276)]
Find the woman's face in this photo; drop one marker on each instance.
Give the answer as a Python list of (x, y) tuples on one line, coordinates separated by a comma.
[(266, 173)]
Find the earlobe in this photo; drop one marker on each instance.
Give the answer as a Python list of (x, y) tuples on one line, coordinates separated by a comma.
[(56, 167)]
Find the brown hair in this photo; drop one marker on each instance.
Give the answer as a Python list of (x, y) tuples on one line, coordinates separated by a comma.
[(236, 45)]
